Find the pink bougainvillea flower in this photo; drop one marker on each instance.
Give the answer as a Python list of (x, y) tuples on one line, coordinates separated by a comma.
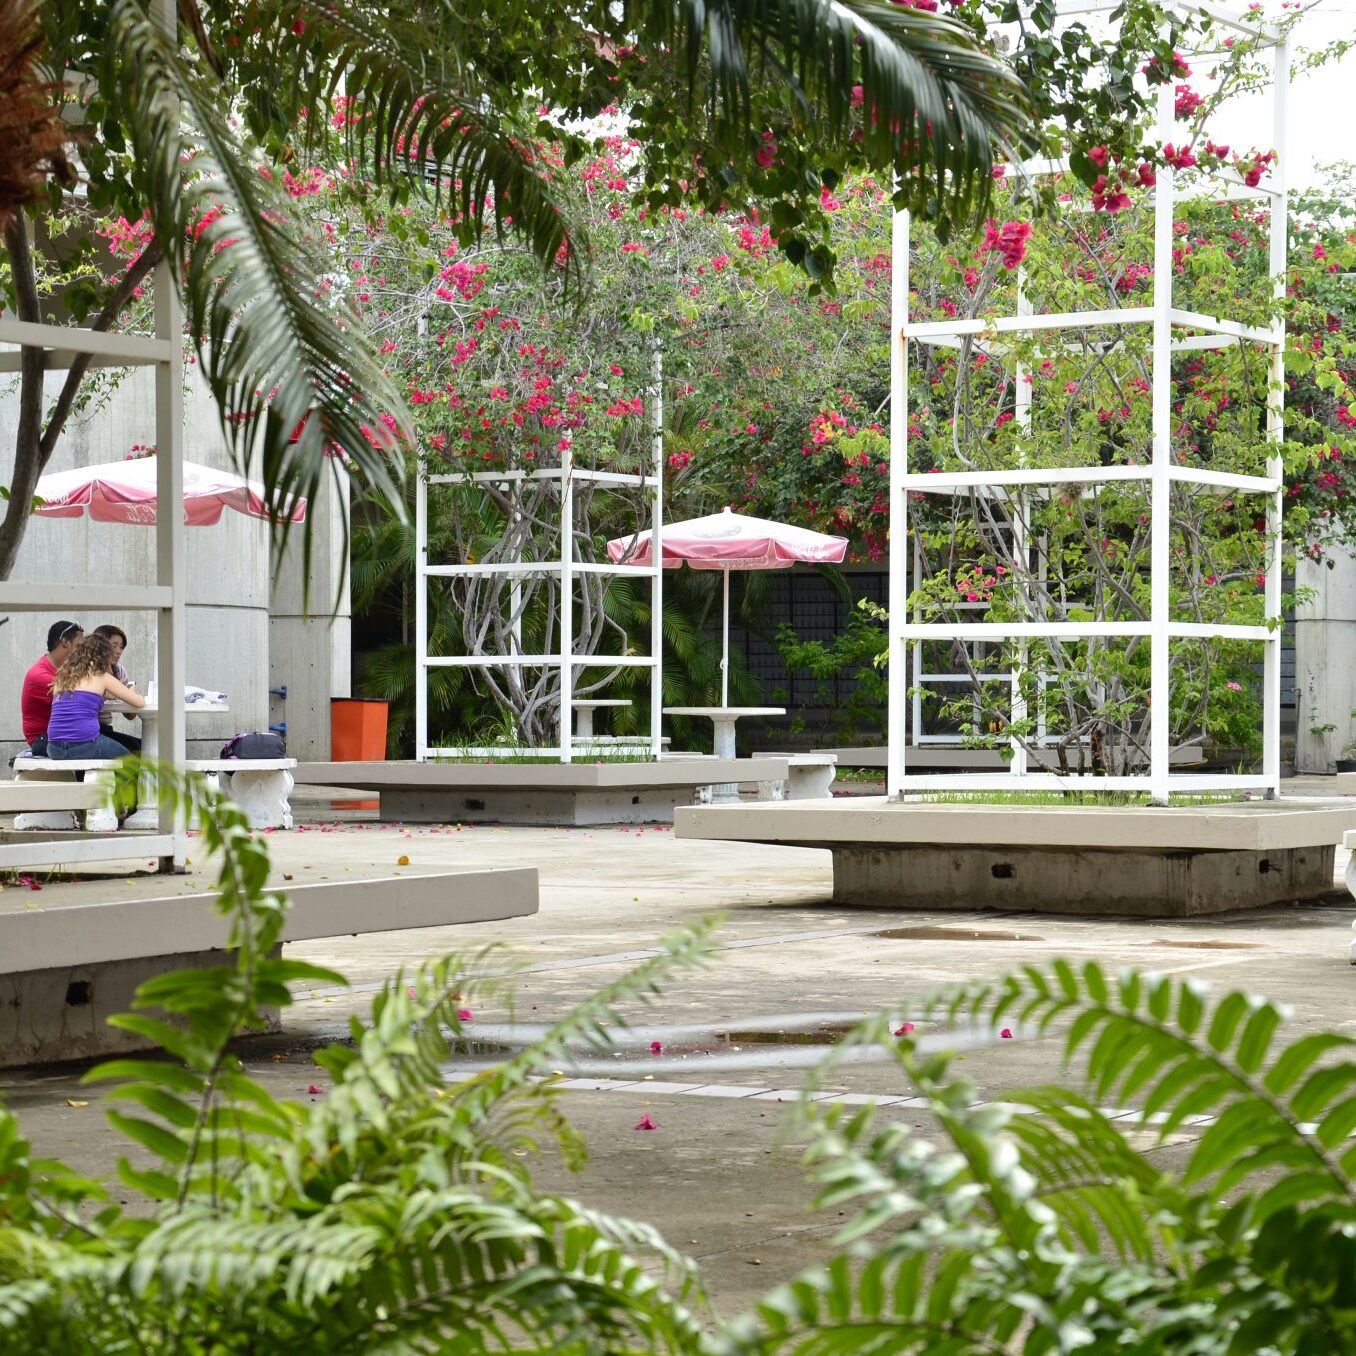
[(465, 1015), (1005, 1034), (904, 1030), (645, 1123), (656, 1047), (314, 1089)]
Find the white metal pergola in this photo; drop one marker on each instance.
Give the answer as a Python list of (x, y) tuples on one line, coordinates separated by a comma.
[(59, 345), (1193, 331), (566, 569)]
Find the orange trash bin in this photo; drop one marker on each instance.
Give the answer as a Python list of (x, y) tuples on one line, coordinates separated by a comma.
[(357, 735)]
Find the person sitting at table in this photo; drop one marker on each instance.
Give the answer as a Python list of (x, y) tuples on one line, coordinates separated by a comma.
[(82, 683), (117, 640), (35, 700)]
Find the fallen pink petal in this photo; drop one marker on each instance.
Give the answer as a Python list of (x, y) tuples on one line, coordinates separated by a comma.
[(656, 1047), (645, 1123), (1005, 1034), (464, 1015), (904, 1030), (314, 1089)]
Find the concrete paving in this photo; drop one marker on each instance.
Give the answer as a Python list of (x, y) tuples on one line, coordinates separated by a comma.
[(720, 1175)]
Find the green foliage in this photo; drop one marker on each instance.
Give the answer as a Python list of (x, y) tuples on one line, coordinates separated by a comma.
[(397, 1213), (1041, 1225)]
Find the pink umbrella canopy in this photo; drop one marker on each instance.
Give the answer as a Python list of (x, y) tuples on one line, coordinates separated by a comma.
[(125, 492), (731, 541)]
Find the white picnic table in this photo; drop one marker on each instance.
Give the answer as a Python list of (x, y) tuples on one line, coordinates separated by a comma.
[(584, 707), (723, 719), (147, 814)]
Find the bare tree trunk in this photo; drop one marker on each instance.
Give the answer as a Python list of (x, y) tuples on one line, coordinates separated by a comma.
[(34, 444)]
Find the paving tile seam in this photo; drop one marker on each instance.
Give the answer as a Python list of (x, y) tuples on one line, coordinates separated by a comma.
[(751, 1093)]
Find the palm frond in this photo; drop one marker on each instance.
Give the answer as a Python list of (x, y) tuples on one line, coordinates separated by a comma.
[(937, 104), (427, 120), (280, 361)]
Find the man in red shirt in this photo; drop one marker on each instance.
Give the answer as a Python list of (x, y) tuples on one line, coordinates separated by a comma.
[(35, 702)]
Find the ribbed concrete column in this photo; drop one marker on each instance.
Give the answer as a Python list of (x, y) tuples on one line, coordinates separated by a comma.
[(310, 637), (1325, 662)]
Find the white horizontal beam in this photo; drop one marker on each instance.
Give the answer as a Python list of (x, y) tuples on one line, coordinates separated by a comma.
[(1214, 325), (521, 568), (1224, 480), (943, 482), (600, 567), (637, 479), (490, 661), (17, 597), (132, 348), (60, 359), (1027, 324), (1047, 475), (1075, 631)]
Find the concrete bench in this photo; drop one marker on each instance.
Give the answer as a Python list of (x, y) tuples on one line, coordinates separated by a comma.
[(808, 776), (62, 802), (261, 787), (65, 969), (578, 794), (1140, 860), (97, 783)]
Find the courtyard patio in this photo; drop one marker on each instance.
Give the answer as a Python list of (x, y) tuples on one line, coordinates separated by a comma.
[(739, 1040)]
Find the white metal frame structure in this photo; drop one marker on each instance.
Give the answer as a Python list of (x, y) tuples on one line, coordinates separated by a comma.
[(1161, 474), (567, 569), (164, 352)]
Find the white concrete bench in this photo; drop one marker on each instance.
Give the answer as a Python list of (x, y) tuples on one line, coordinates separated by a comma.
[(66, 968), (97, 784), (808, 776), (261, 787), (61, 801)]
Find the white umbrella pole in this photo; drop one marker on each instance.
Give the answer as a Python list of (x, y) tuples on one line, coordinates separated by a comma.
[(725, 647)]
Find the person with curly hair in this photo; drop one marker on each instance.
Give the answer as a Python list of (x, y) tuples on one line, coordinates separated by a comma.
[(82, 683)]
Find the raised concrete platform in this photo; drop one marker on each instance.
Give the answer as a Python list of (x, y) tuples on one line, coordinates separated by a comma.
[(576, 794), (65, 970), (1144, 861)]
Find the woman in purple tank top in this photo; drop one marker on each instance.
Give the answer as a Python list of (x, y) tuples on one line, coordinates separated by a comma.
[(78, 693)]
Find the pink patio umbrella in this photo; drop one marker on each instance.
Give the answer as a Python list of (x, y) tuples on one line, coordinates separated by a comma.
[(125, 492), (728, 541)]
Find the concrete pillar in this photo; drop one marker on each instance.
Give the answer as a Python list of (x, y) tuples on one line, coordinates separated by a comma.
[(310, 636), (1325, 662)]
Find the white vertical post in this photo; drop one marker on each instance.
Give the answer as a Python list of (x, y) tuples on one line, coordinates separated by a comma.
[(657, 558), (1022, 504), (567, 604), (896, 726), (170, 558), (1160, 525), (1271, 665), (421, 669)]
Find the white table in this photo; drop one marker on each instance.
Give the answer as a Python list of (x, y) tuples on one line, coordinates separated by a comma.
[(584, 708), (147, 814), (723, 718)]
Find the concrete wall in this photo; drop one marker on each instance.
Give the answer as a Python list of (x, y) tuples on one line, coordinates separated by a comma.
[(227, 589), (1325, 662), (309, 637)]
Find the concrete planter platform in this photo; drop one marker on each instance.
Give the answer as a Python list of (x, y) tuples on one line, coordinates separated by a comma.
[(65, 970), (576, 794), (1144, 861)]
